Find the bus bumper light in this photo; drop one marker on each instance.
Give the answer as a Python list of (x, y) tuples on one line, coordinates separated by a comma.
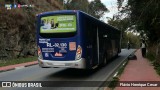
[(40, 63), (78, 53)]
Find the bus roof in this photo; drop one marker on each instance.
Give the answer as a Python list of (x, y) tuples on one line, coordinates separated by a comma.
[(58, 11), (75, 11)]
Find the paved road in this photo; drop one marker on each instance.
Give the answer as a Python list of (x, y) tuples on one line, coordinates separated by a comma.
[(35, 73)]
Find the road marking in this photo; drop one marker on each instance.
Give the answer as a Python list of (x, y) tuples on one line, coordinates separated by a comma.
[(20, 67), (115, 74), (124, 63)]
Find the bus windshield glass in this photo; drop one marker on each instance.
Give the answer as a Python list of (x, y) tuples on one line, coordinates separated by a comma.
[(58, 24)]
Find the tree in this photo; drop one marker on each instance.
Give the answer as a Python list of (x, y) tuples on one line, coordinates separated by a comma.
[(124, 26), (77, 5), (145, 15), (95, 8)]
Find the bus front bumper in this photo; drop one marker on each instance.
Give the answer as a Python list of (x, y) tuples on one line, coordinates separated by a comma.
[(68, 64)]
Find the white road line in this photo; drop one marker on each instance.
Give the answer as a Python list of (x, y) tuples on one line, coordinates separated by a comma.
[(115, 74)]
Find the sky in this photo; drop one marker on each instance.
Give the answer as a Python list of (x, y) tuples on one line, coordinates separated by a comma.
[(112, 6)]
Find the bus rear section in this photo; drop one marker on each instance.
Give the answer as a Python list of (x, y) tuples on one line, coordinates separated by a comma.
[(58, 41)]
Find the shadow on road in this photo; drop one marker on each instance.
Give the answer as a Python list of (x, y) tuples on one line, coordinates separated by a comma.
[(77, 73), (73, 73)]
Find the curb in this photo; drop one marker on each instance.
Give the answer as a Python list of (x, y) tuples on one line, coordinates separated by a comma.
[(19, 67), (31, 64), (7, 70)]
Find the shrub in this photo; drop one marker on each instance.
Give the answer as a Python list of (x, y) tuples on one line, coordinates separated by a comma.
[(114, 82)]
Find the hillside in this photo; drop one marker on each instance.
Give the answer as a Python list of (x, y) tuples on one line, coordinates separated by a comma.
[(17, 27)]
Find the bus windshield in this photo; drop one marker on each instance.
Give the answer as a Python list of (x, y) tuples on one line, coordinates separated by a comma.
[(58, 24)]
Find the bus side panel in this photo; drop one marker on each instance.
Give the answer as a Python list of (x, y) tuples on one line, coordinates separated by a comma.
[(95, 44), (90, 42), (108, 42), (83, 27), (88, 34), (102, 43)]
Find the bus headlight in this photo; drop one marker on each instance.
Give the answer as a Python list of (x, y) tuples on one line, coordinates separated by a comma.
[(39, 53), (79, 52)]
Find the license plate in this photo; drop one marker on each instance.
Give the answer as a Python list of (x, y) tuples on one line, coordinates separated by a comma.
[(59, 64)]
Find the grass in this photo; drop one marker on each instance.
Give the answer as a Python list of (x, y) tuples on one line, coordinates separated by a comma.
[(158, 70), (115, 79), (152, 59), (113, 83), (120, 71), (150, 56), (17, 61), (156, 67)]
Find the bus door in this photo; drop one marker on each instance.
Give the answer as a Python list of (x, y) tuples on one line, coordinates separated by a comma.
[(102, 44), (91, 40), (95, 45)]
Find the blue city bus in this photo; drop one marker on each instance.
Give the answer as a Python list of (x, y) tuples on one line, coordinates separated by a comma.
[(74, 39)]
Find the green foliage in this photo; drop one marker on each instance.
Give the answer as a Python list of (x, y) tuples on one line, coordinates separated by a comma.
[(156, 64), (17, 61), (77, 5), (124, 25), (133, 39), (120, 71), (17, 26), (114, 82), (144, 14), (121, 24), (156, 67), (158, 70), (115, 79), (151, 56), (95, 8)]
